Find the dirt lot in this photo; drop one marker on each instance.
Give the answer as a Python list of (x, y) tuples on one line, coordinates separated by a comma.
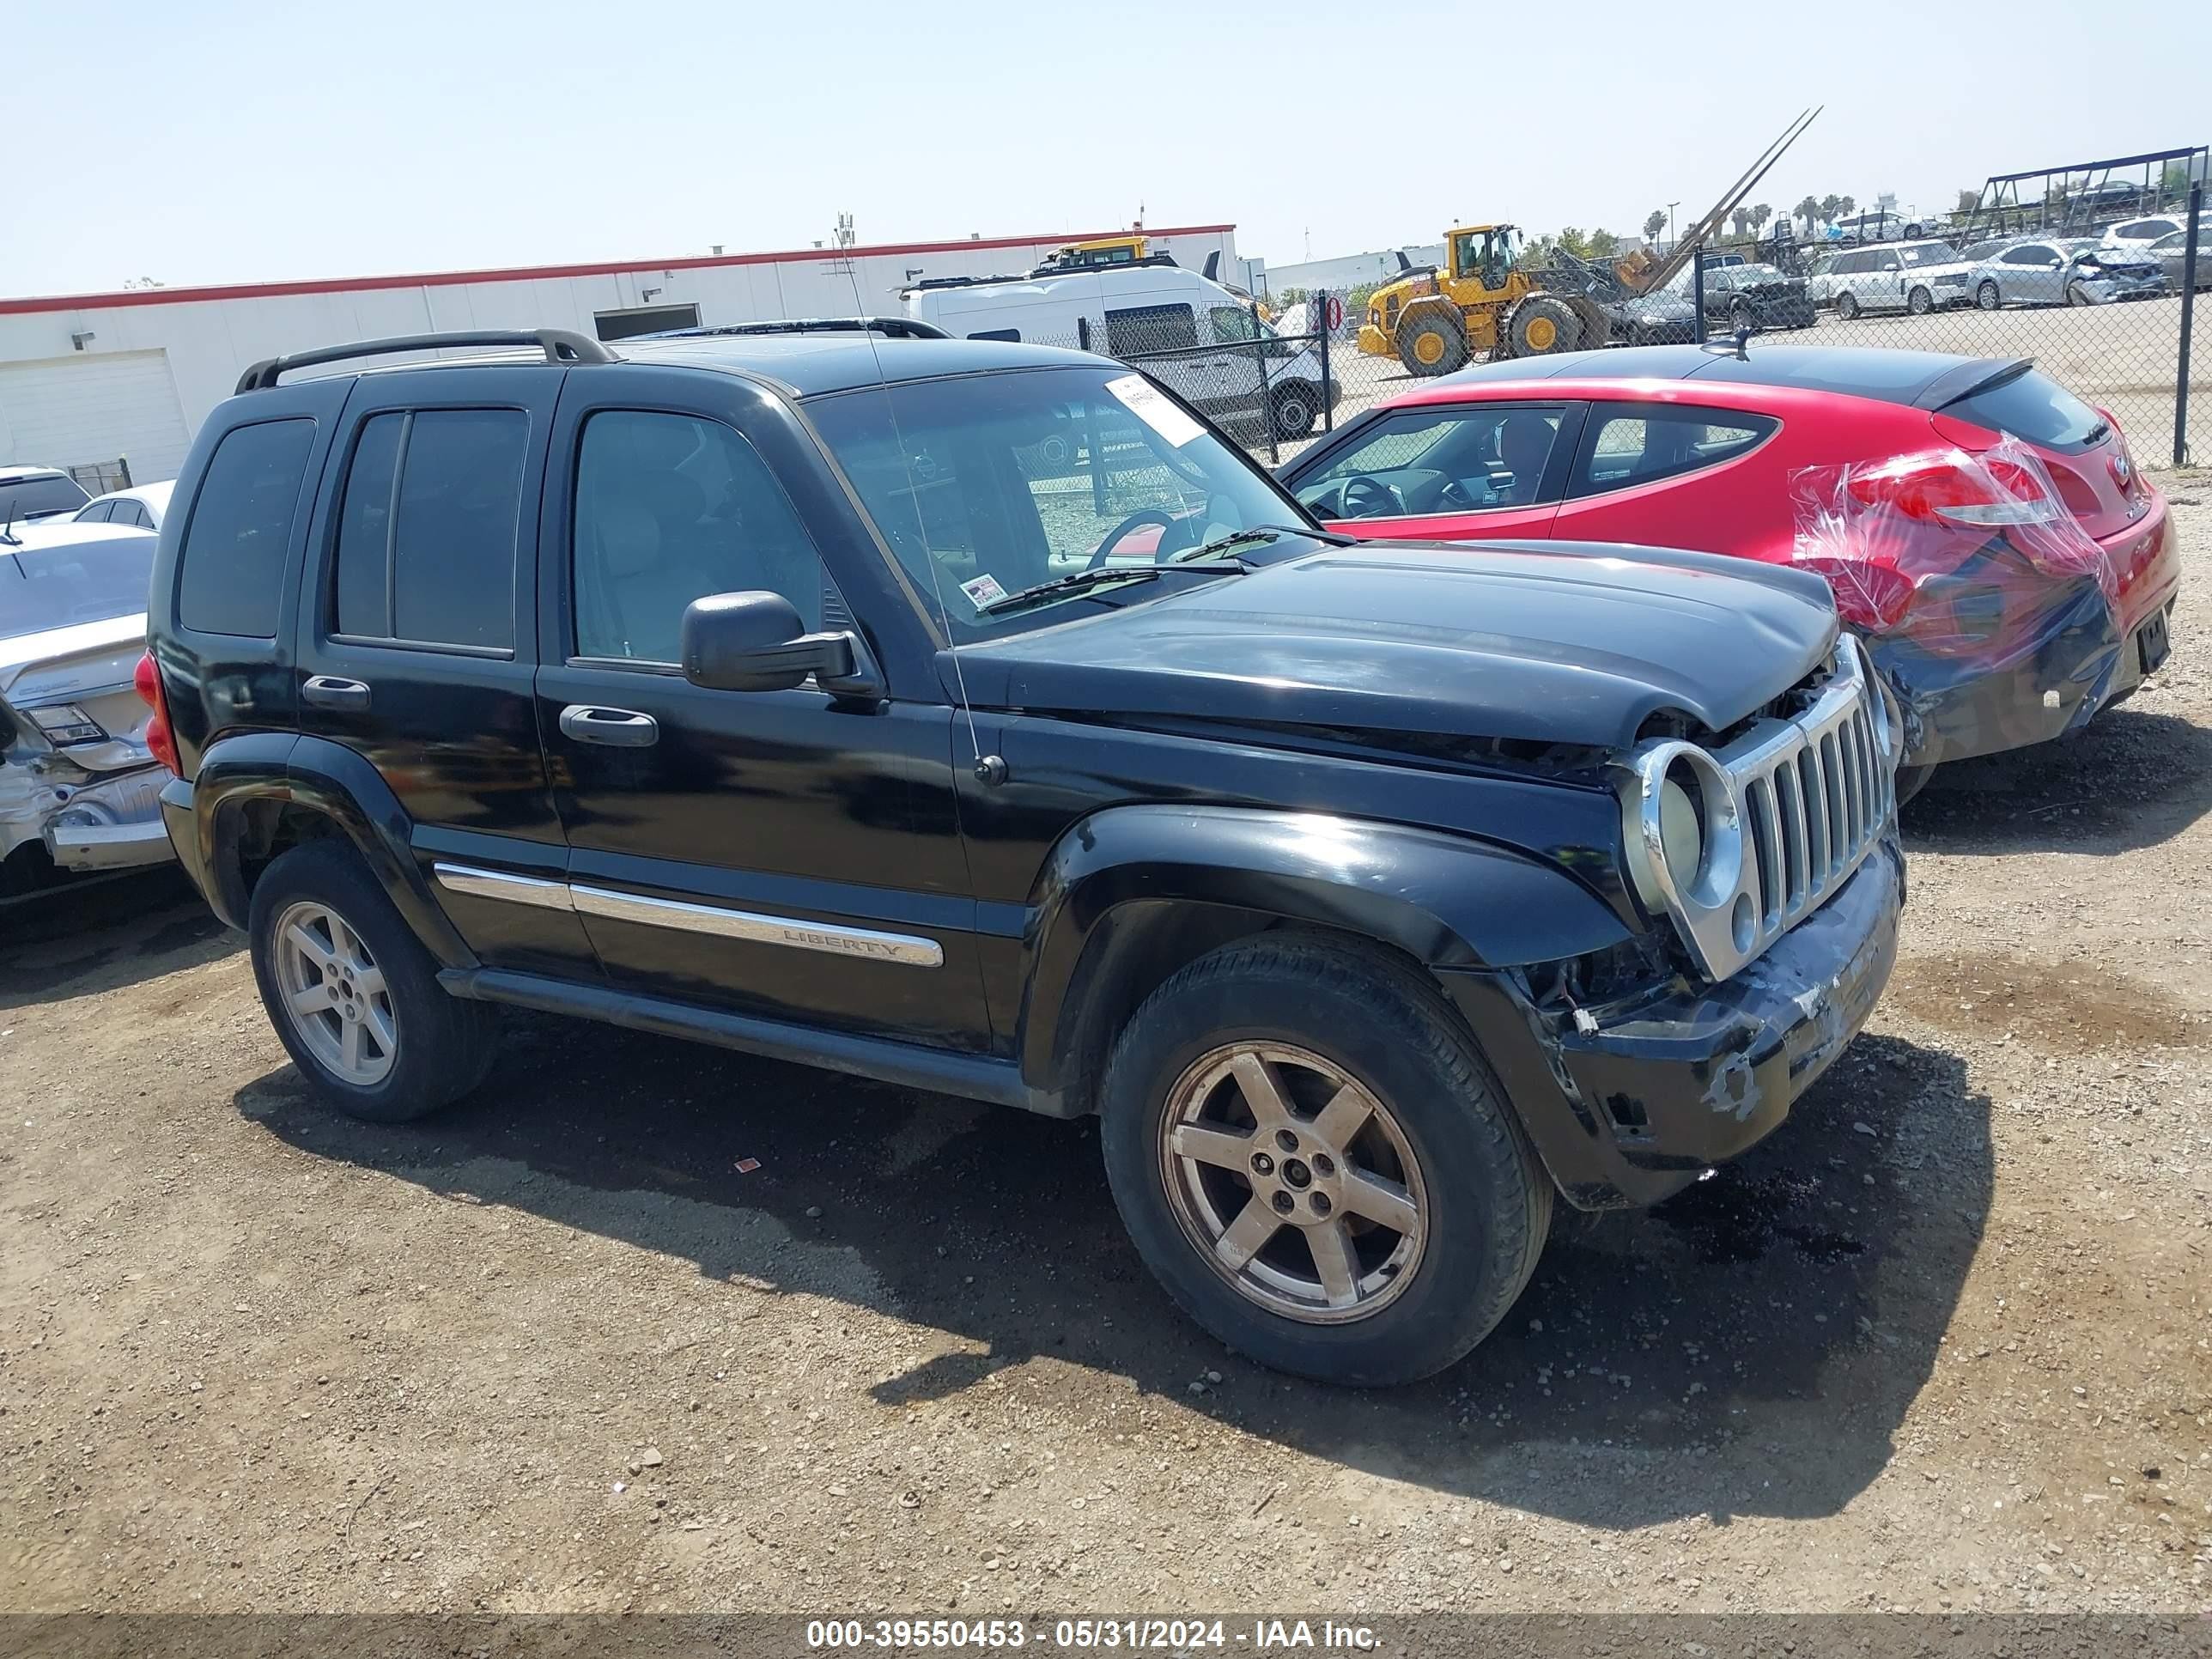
[(1941, 1343)]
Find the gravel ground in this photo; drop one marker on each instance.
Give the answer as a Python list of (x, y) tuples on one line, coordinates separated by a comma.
[(1940, 1344)]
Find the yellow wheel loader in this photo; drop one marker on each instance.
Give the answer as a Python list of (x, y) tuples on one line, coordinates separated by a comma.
[(1484, 299)]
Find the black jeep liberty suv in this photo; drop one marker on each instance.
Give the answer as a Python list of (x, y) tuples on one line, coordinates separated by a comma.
[(969, 715)]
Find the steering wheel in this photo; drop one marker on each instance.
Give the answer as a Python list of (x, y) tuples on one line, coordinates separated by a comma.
[(1169, 524), (1366, 497)]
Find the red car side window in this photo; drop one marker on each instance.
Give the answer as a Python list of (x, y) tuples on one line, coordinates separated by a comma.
[(1625, 445)]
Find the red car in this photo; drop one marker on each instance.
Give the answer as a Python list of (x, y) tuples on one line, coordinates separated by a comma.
[(1985, 530)]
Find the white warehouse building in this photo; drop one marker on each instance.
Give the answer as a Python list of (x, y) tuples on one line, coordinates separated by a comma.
[(111, 386)]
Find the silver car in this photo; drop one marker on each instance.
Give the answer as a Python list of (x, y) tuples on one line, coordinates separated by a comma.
[(2062, 271), (2172, 252), (79, 788)]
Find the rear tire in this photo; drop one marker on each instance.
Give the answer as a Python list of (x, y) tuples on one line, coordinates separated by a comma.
[(1847, 308), (1296, 409), (1322, 1036), (332, 956)]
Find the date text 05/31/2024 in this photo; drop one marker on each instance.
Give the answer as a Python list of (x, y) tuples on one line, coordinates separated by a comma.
[(1144, 1635)]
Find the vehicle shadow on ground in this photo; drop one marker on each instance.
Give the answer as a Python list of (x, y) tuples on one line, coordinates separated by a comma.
[(97, 936), (2131, 779), (1750, 1348)]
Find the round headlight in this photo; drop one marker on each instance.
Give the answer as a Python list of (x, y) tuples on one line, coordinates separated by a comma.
[(1681, 830)]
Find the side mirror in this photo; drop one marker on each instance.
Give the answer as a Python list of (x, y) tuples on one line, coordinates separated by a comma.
[(755, 642)]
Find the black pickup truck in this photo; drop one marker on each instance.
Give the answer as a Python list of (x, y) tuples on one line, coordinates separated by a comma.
[(970, 716)]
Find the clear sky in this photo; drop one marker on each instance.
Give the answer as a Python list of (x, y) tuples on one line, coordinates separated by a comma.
[(229, 141)]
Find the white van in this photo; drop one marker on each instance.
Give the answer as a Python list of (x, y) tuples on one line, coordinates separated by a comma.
[(1191, 335)]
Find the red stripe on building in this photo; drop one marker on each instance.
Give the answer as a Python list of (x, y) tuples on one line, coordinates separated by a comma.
[(172, 297)]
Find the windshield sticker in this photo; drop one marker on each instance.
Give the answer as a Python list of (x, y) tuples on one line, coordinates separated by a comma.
[(1143, 399), (983, 590)]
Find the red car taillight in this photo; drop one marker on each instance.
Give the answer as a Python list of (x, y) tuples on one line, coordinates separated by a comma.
[(1981, 492), (159, 739)]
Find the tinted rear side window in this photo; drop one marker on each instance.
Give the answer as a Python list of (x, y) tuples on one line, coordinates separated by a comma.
[(2034, 407), (232, 560), (1639, 445), (433, 563), (46, 493)]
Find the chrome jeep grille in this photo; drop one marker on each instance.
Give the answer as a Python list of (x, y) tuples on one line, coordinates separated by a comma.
[(1787, 811)]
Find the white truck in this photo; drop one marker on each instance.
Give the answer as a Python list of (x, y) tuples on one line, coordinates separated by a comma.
[(1189, 333)]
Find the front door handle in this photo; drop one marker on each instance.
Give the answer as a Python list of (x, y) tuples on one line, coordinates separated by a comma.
[(329, 691), (619, 728)]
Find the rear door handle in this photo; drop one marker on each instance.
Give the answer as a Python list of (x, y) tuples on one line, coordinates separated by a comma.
[(619, 728), (329, 691)]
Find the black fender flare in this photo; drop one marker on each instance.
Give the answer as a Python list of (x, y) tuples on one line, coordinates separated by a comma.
[(1447, 901), (338, 784)]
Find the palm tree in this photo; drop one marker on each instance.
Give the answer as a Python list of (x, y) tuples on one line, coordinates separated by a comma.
[(1655, 224), (1809, 211), (1844, 206), (1743, 218), (1831, 208), (1759, 214)]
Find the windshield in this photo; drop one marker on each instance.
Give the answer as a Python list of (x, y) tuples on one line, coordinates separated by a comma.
[(1929, 254), (86, 581), (48, 492), (987, 484)]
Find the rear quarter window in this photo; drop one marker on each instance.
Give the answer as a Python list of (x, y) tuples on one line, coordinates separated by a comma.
[(232, 561), (2035, 407)]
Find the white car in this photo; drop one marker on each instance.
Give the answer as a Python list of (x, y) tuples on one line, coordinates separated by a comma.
[(141, 506), (1912, 276), (28, 494), (2141, 233), (79, 788), (1189, 333)]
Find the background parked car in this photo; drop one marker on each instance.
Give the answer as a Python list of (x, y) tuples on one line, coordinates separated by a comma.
[(28, 493), (79, 788), (2172, 252), (1682, 446), (2075, 271), (1912, 277), (2140, 233), (1757, 296), (142, 506)]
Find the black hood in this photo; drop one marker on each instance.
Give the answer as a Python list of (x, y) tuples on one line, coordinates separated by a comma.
[(1559, 642)]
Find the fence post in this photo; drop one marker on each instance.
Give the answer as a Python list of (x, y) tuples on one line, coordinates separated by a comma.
[(1318, 307), (1082, 331), (1266, 385), (1697, 292), (2188, 316)]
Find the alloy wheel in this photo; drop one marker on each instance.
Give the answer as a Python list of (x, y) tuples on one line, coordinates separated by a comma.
[(1294, 1182), (334, 994)]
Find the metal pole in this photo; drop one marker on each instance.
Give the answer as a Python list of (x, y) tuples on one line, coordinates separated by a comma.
[(2188, 317), (1697, 291), (1327, 403), (1266, 389), (1082, 333)]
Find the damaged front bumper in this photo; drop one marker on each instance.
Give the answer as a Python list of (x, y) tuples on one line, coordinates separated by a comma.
[(1632, 1104)]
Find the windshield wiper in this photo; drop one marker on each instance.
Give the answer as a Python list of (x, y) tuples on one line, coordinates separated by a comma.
[(1259, 533), (1074, 583)]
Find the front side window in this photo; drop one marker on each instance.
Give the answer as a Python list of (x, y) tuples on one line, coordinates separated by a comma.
[(1628, 447), (670, 508), (1929, 253), (985, 484), (431, 560), (233, 558), (1458, 459)]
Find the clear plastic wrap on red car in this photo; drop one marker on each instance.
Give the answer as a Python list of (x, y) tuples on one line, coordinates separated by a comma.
[(1992, 613)]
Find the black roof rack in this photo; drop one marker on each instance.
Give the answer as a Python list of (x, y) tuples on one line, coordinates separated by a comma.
[(560, 345), (895, 328)]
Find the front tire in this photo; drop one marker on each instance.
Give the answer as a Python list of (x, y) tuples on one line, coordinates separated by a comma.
[(2075, 296), (1987, 297), (1316, 1164), (1433, 344), (1920, 302), (354, 996)]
